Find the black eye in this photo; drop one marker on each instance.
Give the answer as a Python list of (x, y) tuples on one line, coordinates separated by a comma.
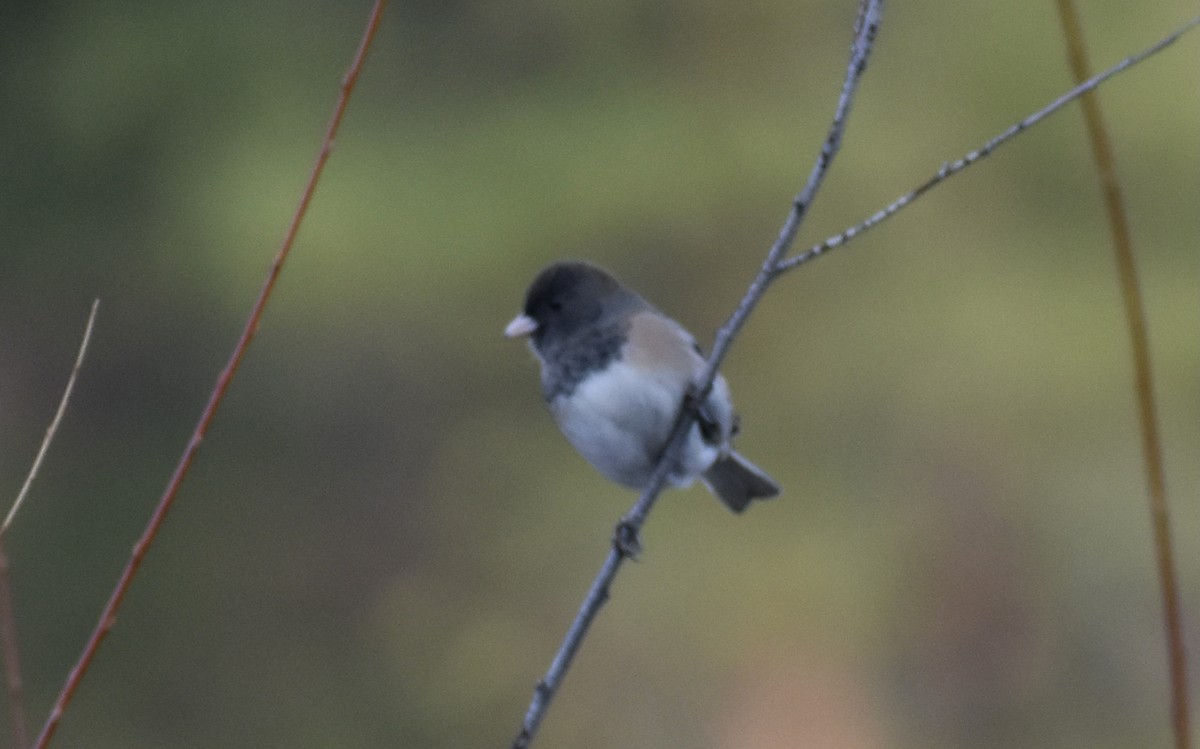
[(556, 306)]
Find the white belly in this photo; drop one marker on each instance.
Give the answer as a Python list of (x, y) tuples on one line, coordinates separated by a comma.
[(619, 422)]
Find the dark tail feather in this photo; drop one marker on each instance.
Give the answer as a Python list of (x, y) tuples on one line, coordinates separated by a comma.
[(736, 481)]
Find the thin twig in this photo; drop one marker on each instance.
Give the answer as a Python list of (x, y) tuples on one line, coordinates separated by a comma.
[(12, 657), (8, 619), (62, 409), (625, 541), (952, 168), (108, 616), (1156, 483)]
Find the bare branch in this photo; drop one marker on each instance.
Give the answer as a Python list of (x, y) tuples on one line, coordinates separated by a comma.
[(625, 542), (1139, 344), (108, 616), (950, 169)]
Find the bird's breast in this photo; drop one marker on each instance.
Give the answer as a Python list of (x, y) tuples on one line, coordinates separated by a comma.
[(619, 419)]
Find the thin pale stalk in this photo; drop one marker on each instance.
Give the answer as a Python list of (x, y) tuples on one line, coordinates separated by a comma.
[(108, 616), (1114, 204), (53, 428), (8, 620)]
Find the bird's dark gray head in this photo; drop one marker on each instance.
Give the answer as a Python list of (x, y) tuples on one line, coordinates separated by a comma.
[(567, 296)]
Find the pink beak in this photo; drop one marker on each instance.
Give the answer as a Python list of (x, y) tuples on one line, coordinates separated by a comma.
[(521, 326)]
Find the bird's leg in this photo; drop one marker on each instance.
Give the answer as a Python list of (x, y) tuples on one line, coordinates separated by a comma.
[(626, 539)]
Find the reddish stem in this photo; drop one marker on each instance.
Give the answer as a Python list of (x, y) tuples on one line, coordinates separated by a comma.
[(108, 616)]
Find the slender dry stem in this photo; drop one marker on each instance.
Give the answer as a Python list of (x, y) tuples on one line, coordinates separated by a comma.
[(1110, 185), (12, 657), (108, 616), (625, 542), (8, 620), (50, 431)]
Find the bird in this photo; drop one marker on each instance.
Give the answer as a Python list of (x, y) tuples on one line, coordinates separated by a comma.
[(615, 372)]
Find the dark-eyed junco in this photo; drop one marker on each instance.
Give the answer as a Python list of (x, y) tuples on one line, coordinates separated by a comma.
[(615, 371)]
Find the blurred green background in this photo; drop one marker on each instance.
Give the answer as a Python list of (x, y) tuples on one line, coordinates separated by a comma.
[(385, 537)]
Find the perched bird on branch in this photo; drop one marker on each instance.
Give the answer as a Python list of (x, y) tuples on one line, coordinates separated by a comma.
[(615, 372)]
